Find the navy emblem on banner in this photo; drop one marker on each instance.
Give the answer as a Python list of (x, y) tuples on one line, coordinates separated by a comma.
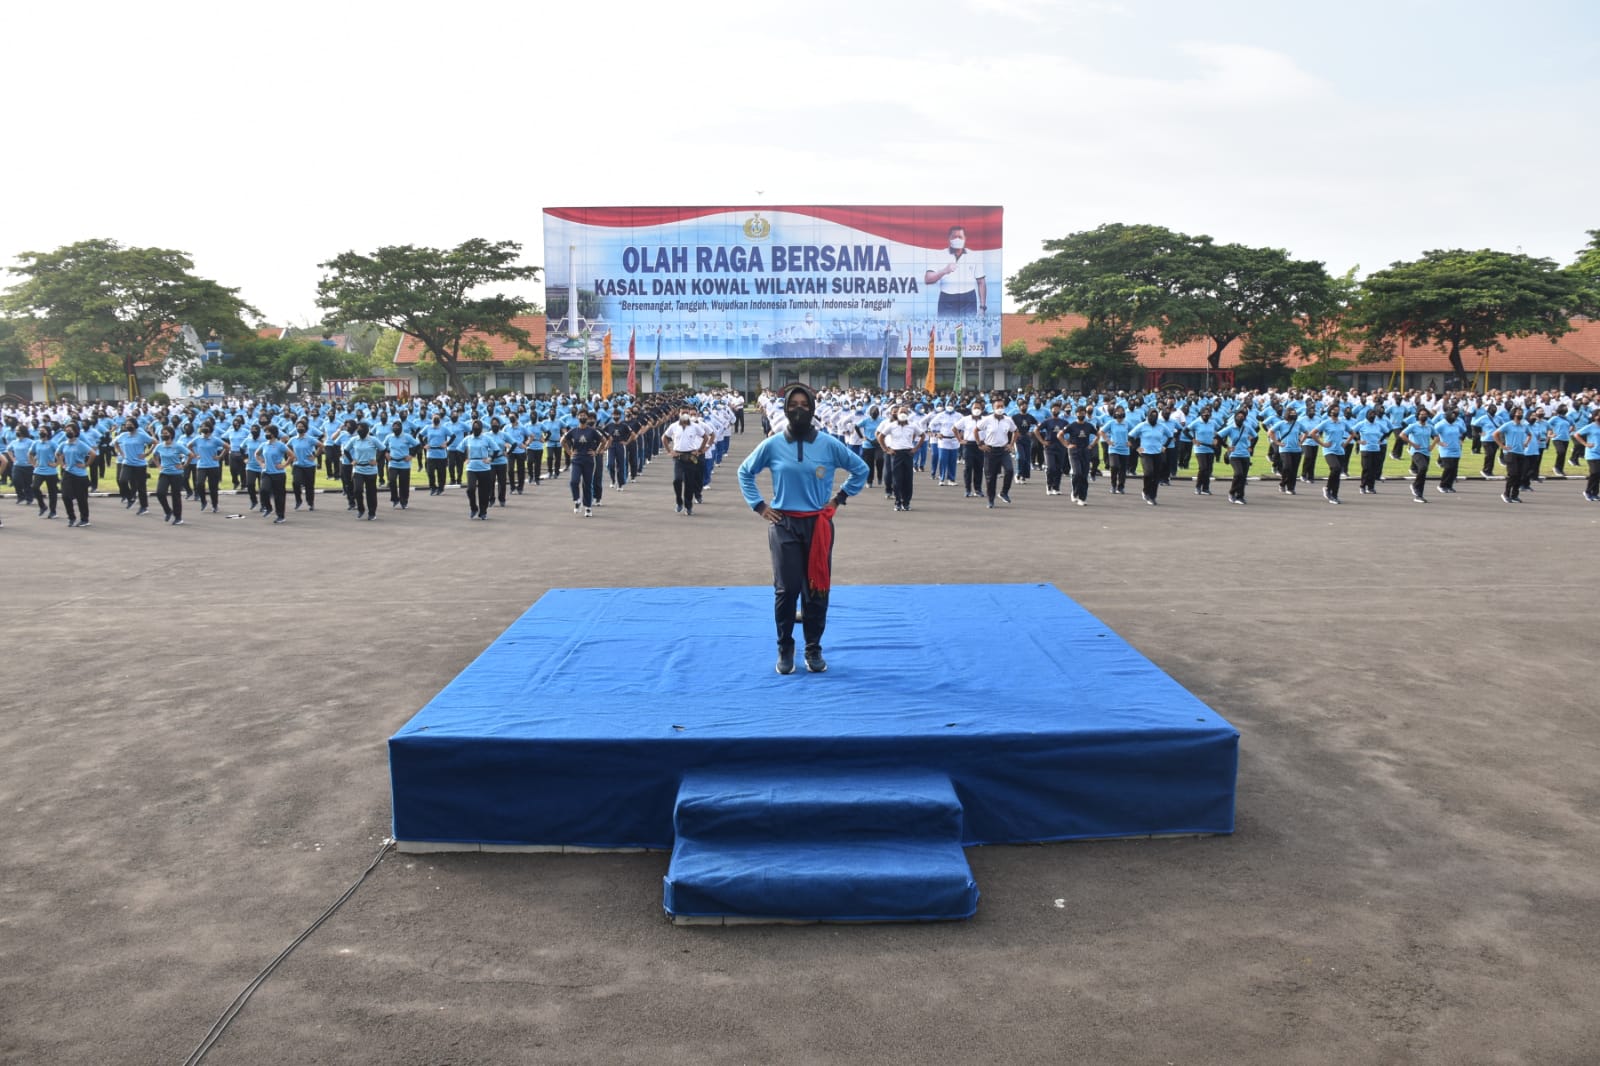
[(757, 228)]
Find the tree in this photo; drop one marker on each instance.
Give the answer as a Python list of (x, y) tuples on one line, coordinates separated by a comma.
[(1328, 330), (431, 294), (1459, 299), (1586, 269), (111, 307), (268, 366)]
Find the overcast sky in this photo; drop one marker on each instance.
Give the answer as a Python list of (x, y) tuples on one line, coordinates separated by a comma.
[(266, 138)]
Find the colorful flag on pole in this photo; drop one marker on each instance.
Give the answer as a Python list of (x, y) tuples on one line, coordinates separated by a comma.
[(883, 367), (928, 385), (961, 363), (605, 367), (633, 370)]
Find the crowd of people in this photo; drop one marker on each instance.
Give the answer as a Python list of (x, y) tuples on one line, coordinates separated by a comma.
[(57, 455)]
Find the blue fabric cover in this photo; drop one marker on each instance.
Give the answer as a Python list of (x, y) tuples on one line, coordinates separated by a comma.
[(577, 725)]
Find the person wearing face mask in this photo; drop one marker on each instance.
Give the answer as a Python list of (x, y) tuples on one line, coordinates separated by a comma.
[(1077, 438), (1370, 433), (1237, 439), (1589, 435), (1451, 430), (77, 456), (273, 455), (1116, 436), (966, 430), (963, 290), (804, 465), (478, 463), (1150, 437), (173, 458), (581, 444), (360, 457), (46, 481), (996, 436), (1331, 435), (900, 438), (686, 441)]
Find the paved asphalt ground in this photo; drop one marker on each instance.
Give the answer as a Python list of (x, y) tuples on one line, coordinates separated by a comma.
[(193, 767)]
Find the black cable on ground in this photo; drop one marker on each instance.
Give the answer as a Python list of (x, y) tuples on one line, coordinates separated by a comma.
[(220, 1026)]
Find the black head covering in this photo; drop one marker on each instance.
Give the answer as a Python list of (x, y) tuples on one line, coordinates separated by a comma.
[(790, 390)]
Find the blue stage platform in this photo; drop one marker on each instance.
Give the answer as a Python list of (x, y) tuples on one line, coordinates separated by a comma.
[(581, 723)]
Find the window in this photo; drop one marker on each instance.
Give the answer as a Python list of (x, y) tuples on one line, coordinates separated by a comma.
[(508, 380), (24, 389)]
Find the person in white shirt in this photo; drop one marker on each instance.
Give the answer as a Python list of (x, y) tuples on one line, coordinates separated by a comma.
[(996, 434), (963, 290), (900, 438), (686, 441), (942, 431)]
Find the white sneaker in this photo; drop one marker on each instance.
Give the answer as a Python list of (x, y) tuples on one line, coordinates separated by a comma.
[(588, 512)]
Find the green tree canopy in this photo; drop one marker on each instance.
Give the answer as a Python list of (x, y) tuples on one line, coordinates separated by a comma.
[(1587, 271), (111, 307), (1459, 299), (1126, 278), (431, 294), (273, 367)]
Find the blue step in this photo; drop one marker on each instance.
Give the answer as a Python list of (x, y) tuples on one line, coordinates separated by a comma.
[(757, 806), (856, 880)]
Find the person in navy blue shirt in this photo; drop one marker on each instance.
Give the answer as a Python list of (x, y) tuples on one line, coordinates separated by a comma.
[(1077, 437), (804, 464), (582, 444)]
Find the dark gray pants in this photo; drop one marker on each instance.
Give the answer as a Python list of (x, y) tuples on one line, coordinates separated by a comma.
[(790, 543)]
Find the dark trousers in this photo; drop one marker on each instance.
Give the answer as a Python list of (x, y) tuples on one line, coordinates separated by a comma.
[(1561, 456), (1241, 475), (1203, 464), (1447, 471), (134, 481), (1490, 447), (46, 485), (364, 493), (1119, 465), (617, 464), (305, 485), (1592, 486), (330, 455), (1371, 468), (1513, 463), (552, 461), (275, 490), (685, 481), (972, 471), (169, 493), (347, 481), (1055, 459), (1151, 466), (536, 464), (790, 542), (437, 474), (253, 485), (869, 455), (499, 471), (1288, 471), (1308, 462), (994, 461), (1081, 459), (75, 493), (236, 471), (400, 485), (903, 480), (1530, 468), (581, 479), (207, 482), (1419, 472), (1335, 472), (480, 483), (455, 462), (517, 465)]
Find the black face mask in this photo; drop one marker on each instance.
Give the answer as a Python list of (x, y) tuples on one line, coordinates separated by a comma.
[(799, 418)]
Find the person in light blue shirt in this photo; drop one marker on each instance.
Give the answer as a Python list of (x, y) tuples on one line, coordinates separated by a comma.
[(362, 453), (436, 455), (1331, 435), (1491, 418), (208, 451), (1150, 437), (173, 458), (1115, 435), (399, 447), (1451, 429), (1421, 439), (77, 457), (46, 474), (20, 449), (1371, 432), (479, 463), (273, 455), (1589, 434), (305, 456), (1202, 431), (133, 471), (1285, 432), (803, 464), (1237, 439), (1512, 439)]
